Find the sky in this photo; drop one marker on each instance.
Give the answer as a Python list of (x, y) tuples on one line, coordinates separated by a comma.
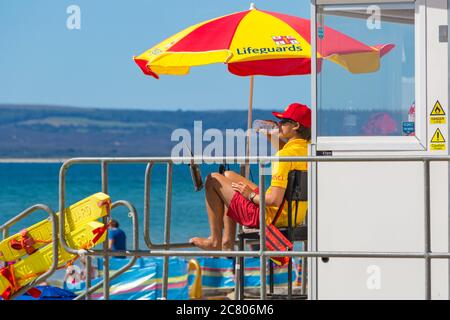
[(44, 62)]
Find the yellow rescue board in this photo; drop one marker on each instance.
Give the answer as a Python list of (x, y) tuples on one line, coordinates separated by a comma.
[(32, 266), (78, 214)]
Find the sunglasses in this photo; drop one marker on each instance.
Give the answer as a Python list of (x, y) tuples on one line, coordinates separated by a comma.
[(285, 121)]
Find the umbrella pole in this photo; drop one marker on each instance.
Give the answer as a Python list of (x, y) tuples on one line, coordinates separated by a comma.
[(245, 171)]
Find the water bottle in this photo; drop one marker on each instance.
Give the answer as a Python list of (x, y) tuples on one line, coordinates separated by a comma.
[(266, 126)]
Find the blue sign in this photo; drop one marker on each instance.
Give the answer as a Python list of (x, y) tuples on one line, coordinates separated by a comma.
[(408, 127)]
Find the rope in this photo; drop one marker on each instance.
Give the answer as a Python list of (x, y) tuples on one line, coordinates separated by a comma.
[(26, 242), (8, 274)]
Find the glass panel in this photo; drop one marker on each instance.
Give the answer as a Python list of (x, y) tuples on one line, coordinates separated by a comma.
[(366, 74)]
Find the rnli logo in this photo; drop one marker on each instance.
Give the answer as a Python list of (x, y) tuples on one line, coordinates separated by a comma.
[(277, 178), (284, 40)]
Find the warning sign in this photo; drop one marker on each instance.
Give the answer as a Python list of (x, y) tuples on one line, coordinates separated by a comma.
[(437, 115), (437, 110), (438, 141), (438, 137)]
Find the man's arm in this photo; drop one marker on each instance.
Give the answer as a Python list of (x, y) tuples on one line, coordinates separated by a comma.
[(274, 139), (274, 198)]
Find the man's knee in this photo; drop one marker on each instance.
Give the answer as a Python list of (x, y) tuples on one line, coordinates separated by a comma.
[(229, 174), (211, 179)]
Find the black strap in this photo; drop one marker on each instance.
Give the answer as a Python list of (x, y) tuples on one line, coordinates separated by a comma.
[(296, 211)]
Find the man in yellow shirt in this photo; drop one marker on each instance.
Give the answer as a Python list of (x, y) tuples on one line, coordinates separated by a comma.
[(240, 196)]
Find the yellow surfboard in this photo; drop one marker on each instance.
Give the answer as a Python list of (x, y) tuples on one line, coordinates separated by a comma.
[(40, 234), (30, 267)]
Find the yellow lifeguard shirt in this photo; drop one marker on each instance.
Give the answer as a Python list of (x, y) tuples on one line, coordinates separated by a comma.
[(280, 170)]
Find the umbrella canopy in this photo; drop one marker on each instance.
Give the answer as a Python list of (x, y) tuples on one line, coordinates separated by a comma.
[(257, 42)]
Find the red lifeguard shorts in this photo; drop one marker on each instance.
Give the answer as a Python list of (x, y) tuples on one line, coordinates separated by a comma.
[(243, 211)]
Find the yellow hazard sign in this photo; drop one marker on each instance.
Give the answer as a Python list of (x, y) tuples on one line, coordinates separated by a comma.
[(438, 137), (438, 141), (437, 109), (437, 115)]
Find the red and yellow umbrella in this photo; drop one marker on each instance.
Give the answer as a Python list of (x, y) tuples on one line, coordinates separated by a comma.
[(257, 42)]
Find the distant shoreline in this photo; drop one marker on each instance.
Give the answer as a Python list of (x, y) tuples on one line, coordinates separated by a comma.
[(33, 160)]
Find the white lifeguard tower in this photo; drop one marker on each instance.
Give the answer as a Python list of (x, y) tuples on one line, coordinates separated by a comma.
[(381, 206)]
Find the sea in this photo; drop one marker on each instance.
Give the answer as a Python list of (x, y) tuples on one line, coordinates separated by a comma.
[(23, 185)]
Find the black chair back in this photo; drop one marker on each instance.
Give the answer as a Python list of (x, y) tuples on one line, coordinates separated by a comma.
[(297, 187), (296, 190)]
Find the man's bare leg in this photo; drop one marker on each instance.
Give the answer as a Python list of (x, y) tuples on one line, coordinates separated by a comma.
[(218, 194), (229, 232)]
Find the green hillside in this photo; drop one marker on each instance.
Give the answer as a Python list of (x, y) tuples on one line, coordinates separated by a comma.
[(49, 131)]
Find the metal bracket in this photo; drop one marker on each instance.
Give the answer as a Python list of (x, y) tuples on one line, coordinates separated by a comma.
[(443, 33)]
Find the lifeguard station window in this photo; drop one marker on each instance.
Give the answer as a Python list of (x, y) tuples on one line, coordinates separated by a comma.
[(367, 76)]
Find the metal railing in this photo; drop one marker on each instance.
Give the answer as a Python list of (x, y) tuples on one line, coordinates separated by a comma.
[(166, 249), (4, 228)]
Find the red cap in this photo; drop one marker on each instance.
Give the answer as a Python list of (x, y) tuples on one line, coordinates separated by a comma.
[(297, 112)]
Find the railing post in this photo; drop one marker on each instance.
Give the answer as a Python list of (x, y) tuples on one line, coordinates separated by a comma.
[(104, 166), (168, 216), (262, 230), (427, 230), (88, 277)]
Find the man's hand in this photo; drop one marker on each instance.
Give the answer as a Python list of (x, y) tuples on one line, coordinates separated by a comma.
[(242, 188)]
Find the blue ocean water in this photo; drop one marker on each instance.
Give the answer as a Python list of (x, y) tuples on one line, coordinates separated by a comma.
[(26, 184)]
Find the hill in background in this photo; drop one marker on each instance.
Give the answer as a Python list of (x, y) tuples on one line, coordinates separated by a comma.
[(48, 131), (60, 132)]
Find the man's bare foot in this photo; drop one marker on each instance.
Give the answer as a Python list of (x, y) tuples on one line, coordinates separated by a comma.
[(205, 243)]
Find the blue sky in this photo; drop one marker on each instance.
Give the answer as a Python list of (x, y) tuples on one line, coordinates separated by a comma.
[(43, 62)]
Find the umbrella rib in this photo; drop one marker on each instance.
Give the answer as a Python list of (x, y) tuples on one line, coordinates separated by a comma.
[(234, 32)]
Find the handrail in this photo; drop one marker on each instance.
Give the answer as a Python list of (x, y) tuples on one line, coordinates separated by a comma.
[(427, 254), (147, 192), (252, 159), (308, 254), (133, 214), (52, 215), (165, 251)]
